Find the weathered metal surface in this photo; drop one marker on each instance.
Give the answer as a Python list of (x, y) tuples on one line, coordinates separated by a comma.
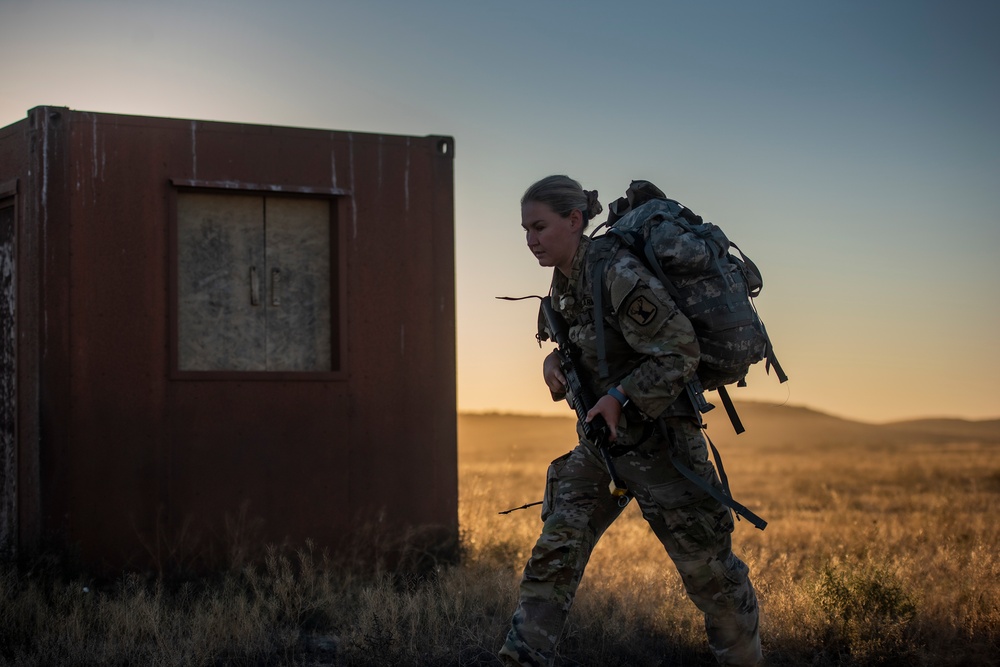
[(8, 379), (145, 460)]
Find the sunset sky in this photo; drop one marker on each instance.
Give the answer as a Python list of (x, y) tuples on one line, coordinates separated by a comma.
[(851, 148)]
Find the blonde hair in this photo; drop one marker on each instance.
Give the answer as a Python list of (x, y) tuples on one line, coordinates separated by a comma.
[(564, 195)]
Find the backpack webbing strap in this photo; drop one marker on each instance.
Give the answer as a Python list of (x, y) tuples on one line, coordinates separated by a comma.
[(654, 264), (724, 496), (598, 288), (754, 292), (696, 394), (772, 362), (727, 403)]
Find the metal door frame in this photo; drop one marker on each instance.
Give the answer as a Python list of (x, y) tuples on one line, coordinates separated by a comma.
[(8, 380), (339, 199)]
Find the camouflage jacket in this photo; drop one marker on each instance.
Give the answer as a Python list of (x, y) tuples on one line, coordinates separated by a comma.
[(651, 347)]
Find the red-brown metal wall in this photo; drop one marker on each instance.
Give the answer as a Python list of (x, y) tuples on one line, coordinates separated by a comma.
[(140, 465)]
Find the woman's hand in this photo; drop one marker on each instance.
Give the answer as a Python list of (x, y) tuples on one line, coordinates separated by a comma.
[(611, 410), (554, 378)]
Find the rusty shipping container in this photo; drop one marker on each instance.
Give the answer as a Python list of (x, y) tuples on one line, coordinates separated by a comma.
[(217, 336)]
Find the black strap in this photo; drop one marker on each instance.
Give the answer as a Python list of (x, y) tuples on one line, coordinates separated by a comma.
[(696, 394), (753, 269), (727, 403), (598, 288), (772, 362), (725, 496)]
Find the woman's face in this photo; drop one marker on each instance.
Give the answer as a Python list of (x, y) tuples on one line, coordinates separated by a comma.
[(552, 238)]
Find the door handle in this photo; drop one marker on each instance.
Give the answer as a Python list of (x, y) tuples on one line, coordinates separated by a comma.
[(275, 284), (254, 287)]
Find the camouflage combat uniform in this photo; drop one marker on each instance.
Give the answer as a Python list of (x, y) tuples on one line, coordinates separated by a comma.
[(651, 353)]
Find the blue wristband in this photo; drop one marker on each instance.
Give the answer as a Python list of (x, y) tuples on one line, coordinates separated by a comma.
[(618, 396)]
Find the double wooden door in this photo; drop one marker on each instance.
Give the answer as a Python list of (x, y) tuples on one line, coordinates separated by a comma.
[(253, 283)]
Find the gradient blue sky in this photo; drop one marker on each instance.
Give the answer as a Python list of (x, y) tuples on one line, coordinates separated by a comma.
[(851, 148)]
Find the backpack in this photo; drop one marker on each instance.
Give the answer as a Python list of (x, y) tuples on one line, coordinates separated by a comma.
[(713, 286)]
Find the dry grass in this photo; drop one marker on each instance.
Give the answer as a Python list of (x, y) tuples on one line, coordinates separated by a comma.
[(881, 550)]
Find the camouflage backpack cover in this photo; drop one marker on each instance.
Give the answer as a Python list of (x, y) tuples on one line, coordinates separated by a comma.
[(710, 283)]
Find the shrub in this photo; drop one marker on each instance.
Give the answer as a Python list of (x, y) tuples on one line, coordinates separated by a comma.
[(868, 612)]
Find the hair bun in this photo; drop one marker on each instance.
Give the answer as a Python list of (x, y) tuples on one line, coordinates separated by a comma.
[(594, 207)]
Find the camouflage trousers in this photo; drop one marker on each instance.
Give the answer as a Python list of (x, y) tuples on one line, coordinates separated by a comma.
[(694, 528)]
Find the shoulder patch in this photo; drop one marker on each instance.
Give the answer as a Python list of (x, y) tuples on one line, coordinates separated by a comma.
[(622, 279), (642, 310)]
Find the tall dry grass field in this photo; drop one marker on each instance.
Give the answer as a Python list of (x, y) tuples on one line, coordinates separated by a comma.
[(881, 546), (881, 550)]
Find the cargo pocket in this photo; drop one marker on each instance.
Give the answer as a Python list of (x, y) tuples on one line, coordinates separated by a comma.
[(676, 494), (551, 482), (733, 569), (692, 519), (732, 577)]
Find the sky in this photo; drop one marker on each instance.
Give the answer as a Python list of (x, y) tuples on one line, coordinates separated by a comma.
[(851, 148)]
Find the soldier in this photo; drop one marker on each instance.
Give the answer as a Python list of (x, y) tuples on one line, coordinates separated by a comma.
[(652, 352)]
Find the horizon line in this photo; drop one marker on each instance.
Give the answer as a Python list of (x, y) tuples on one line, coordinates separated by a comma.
[(569, 415)]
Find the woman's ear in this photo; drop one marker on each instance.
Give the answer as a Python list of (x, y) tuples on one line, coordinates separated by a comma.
[(576, 220)]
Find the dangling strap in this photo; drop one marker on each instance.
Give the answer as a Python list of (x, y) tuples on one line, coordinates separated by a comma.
[(753, 269), (725, 497), (772, 362), (727, 403)]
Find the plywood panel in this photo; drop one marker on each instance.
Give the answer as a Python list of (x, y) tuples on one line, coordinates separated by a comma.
[(221, 270), (298, 290)]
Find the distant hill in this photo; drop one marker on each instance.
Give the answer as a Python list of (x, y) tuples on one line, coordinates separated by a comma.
[(782, 426), (768, 423), (986, 431)]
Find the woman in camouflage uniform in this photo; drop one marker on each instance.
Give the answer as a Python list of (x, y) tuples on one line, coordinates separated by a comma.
[(651, 351)]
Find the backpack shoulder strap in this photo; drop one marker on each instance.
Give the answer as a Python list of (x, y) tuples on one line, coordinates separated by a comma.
[(643, 250), (597, 282), (604, 248)]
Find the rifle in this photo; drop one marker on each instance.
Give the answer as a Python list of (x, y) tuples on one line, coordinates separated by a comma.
[(580, 398)]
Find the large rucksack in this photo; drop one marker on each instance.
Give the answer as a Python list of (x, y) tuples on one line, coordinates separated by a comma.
[(712, 286)]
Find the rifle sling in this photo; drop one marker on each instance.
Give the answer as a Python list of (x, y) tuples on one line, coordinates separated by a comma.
[(723, 496)]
